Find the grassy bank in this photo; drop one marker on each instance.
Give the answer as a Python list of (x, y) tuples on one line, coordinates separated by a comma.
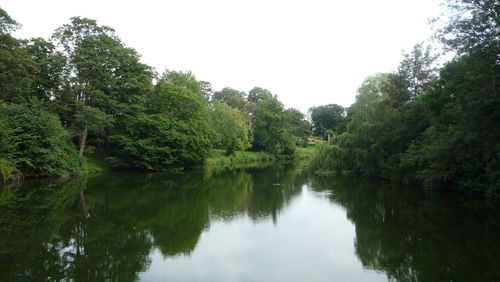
[(218, 158), (305, 152)]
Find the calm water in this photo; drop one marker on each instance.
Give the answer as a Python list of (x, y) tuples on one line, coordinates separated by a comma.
[(273, 224)]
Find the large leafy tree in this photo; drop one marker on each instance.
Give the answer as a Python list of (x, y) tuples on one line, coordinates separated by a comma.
[(232, 97), (230, 127), (301, 128), (17, 68), (173, 131), (183, 79), (103, 75), (327, 117), (272, 130), (416, 71), (473, 27)]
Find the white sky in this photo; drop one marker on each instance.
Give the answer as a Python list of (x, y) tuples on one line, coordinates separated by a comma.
[(310, 53)]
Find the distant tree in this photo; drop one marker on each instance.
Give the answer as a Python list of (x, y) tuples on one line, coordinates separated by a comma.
[(417, 71), (232, 97), (183, 79), (230, 128), (300, 127), (258, 94), (206, 89), (327, 117), (272, 130)]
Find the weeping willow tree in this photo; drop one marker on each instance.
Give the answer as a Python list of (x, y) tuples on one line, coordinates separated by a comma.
[(372, 121)]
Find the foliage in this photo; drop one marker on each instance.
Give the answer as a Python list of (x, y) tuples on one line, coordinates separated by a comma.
[(172, 132), (37, 143), (17, 69), (301, 128), (220, 158), (473, 27), (414, 127), (104, 77), (183, 79), (460, 148), (272, 130), (232, 97), (326, 117), (7, 24), (6, 170), (230, 128)]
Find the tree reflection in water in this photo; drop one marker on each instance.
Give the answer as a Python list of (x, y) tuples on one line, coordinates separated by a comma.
[(105, 228), (419, 236)]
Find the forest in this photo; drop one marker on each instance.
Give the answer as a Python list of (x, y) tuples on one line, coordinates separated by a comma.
[(437, 127), (83, 90)]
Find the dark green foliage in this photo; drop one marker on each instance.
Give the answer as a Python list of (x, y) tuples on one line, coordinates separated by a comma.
[(6, 170), (172, 132), (35, 142), (232, 97), (7, 24), (473, 28), (326, 117), (442, 133), (103, 78), (258, 94), (230, 128), (301, 128), (183, 79), (85, 86), (461, 147), (272, 129), (17, 70)]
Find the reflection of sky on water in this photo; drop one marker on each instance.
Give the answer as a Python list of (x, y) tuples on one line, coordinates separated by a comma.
[(311, 241)]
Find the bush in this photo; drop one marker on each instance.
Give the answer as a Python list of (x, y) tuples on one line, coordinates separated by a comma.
[(35, 143), (172, 132)]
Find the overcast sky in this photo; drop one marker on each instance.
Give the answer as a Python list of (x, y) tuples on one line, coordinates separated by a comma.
[(310, 53)]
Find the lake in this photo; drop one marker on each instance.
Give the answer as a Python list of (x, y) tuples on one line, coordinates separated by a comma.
[(264, 224)]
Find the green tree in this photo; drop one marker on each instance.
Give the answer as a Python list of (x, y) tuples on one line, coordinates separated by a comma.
[(34, 141), (416, 70), (473, 27), (172, 132), (301, 128), (17, 68), (258, 94), (272, 130), (230, 127), (183, 79), (232, 97), (103, 75), (327, 117)]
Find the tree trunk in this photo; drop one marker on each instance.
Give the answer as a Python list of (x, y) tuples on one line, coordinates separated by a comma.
[(82, 140)]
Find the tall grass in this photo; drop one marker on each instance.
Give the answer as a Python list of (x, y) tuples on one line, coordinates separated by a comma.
[(6, 170), (218, 158), (330, 159)]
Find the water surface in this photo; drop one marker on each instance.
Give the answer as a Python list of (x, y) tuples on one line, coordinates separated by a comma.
[(272, 224)]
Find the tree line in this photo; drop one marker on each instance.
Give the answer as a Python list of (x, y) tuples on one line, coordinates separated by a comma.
[(436, 127), (84, 87)]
